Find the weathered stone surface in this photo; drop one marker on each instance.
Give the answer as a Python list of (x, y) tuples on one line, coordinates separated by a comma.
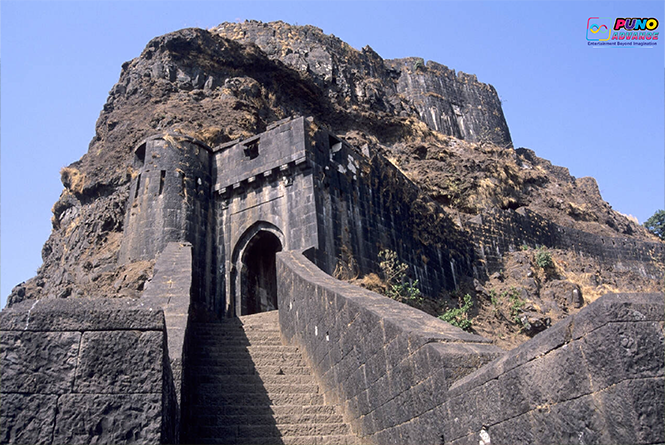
[(119, 362), (620, 307), (170, 288), (27, 419), (559, 387), (555, 388), (129, 395), (81, 314), (108, 419), (387, 362), (38, 362), (637, 350), (505, 230)]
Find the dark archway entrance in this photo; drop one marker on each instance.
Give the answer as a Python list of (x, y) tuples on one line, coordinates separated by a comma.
[(259, 275)]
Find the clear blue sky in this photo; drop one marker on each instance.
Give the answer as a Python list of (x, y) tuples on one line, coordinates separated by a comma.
[(597, 111)]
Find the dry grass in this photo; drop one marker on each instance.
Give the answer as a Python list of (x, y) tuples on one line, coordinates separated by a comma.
[(171, 140), (372, 282), (210, 135), (347, 267), (72, 179)]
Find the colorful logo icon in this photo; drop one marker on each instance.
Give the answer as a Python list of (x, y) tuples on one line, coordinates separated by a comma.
[(598, 29)]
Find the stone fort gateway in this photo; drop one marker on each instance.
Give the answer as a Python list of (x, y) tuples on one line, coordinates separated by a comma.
[(251, 232)]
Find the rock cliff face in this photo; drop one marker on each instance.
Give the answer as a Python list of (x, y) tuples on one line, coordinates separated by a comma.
[(455, 105), (445, 131)]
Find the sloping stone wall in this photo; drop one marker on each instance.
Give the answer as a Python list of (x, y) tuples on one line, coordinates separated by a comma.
[(498, 232), (595, 377), (170, 289), (85, 371), (388, 364), (405, 377)]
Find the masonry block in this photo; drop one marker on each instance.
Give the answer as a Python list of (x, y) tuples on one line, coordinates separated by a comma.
[(27, 418), (38, 362), (108, 418), (100, 370), (85, 371)]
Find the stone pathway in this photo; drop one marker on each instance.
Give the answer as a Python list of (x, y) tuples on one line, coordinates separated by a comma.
[(245, 387)]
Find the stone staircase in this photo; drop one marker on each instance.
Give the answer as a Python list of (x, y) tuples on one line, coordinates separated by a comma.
[(244, 387)]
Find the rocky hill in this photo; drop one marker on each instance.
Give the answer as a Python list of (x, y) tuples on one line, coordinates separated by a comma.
[(446, 131)]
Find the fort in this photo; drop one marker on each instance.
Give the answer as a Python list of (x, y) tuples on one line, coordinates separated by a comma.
[(242, 334), (258, 225)]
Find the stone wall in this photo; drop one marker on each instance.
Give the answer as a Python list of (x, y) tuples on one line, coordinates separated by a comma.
[(365, 205), (263, 184), (171, 201), (170, 290), (310, 189), (595, 377), (387, 363), (501, 231), (405, 377), (85, 371)]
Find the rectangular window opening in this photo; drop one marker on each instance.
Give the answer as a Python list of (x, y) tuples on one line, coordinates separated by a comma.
[(138, 186), (162, 176), (251, 149), (140, 156)]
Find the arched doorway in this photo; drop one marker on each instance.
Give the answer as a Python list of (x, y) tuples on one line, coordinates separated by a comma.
[(259, 274)]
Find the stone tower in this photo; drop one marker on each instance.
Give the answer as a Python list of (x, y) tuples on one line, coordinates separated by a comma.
[(170, 202)]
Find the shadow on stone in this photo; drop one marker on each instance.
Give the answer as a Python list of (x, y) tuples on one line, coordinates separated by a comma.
[(225, 400)]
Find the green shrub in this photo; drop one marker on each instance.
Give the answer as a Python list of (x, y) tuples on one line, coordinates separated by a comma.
[(544, 258), (656, 224), (516, 305), (459, 316), (394, 272)]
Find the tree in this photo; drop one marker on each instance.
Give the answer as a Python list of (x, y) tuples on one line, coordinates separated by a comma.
[(656, 224)]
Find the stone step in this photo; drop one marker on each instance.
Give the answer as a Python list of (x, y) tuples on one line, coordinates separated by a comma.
[(246, 387), (232, 399), (225, 340), (239, 333), (274, 431), (224, 360), (286, 352), (265, 410), (250, 370), (233, 334), (312, 440), (237, 343), (233, 348), (288, 440), (268, 419), (265, 379), (258, 388), (232, 328)]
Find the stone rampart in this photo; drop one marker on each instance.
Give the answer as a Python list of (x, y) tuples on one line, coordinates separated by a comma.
[(594, 378), (85, 371), (170, 289), (501, 231), (389, 364), (405, 377), (366, 205)]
